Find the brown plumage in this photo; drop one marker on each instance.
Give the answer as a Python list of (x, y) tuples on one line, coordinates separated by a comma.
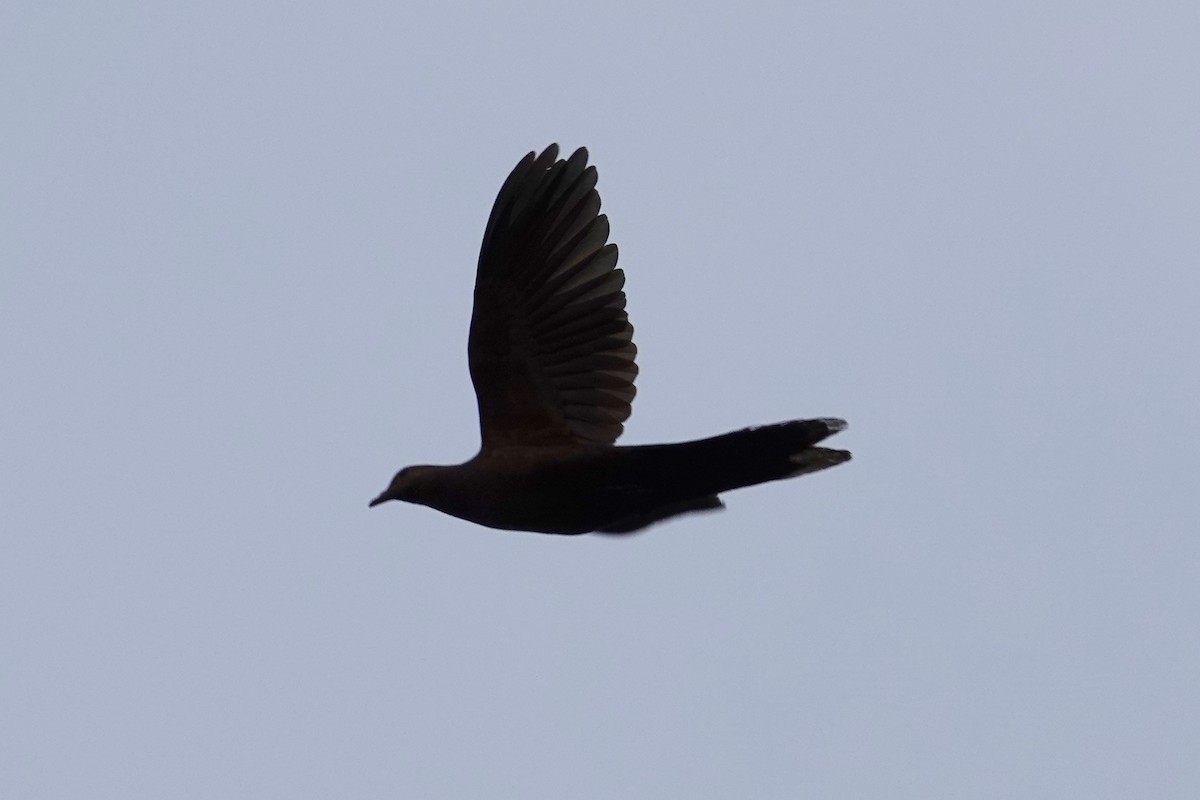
[(552, 360)]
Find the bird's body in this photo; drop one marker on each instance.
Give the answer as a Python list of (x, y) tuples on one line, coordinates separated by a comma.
[(616, 489), (552, 359)]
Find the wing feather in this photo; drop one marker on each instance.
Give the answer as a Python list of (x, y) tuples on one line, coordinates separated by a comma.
[(551, 347)]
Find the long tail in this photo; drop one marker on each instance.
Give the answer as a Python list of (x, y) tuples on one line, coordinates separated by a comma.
[(760, 454), (688, 476)]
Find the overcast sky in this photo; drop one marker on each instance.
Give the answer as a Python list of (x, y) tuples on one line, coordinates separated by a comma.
[(237, 246)]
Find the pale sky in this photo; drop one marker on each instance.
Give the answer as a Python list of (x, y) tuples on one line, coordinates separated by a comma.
[(237, 246)]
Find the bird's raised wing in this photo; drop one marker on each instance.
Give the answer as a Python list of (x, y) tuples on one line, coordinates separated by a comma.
[(551, 348)]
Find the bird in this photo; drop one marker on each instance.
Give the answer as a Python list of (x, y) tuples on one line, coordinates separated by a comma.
[(552, 360)]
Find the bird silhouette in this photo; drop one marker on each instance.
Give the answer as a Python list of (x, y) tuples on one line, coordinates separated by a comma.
[(551, 355)]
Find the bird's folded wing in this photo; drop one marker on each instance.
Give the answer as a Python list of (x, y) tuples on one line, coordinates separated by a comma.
[(551, 348)]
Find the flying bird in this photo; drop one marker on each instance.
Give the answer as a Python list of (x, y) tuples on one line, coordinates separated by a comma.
[(551, 355)]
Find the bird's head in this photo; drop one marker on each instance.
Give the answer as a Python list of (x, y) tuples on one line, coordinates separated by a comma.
[(410, 484)]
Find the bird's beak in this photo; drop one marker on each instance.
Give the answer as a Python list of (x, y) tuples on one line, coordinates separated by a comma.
[(383, 498)]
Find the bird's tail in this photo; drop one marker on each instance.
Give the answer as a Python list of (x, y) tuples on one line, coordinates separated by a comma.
[(688, 476), (741, 458), (766, 453)]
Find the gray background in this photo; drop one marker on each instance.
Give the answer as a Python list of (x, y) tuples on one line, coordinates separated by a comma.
[(238, 245)]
